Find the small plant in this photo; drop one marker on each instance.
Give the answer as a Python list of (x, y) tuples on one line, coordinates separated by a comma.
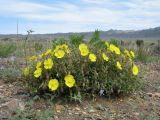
[(142, 55), (57, 41), (10, 73), (115, 42), (96, 41), (76, 39), (38, 47), (72, 72), (140, 43), (7, 49)]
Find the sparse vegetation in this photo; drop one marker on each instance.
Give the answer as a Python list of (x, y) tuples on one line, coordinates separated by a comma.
[(52, 105), (76, 39), (7, 49)]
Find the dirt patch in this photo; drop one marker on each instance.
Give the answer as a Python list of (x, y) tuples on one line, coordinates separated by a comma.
[(144, 104)]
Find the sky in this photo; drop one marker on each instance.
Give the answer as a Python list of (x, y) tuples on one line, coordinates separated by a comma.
[(54, 16)]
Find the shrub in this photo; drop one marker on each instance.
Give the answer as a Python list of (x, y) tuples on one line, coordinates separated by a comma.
[(142, 55), (75, 72), (115, 42), (7, 49), (76, 39), (140, 43), (96, 40), (57, 41), (38, 47), (10, 74)]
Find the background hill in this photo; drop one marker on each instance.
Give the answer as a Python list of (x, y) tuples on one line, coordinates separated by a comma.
[(146, 34)]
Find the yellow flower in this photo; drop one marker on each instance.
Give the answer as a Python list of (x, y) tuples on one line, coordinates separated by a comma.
[(83, 46), (92, 57), (59, 53), (26, 71), (127, 53), (111, 47), (41, 56), (48, 52), (66, 48), (48, 64), (132, 54), (107, 44), (37, 72), (39, 63), (32, 58), (83, 49), (135, 70), (115, 49), (69, 80), (84, 52), (105, 57), (53, 84), (123, 56), (118, 65), (58, 47)]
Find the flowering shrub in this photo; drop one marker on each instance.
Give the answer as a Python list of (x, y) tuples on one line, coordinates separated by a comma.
[(70, 71)]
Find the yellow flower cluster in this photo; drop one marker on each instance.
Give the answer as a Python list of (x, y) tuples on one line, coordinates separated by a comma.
[(53, 84), (60, 50), (47, 63)]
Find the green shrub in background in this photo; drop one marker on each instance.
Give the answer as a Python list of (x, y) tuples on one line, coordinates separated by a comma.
[(7, 49), (96, 41), (115, 42), (75, 72), (57, 41), (157, 48), (76, 39), (142, 55), (38, 47), (140, 43)]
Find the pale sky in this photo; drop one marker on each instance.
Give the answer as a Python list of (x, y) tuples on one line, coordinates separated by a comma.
[(52, 16)]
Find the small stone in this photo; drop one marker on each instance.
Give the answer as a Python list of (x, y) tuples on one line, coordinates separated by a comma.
[(4, 115), (13, 105), (78, 109), (157, 95), (91, 110), (70, 113), (136, 113), (84, 113), (150, 94), (76, 113)]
